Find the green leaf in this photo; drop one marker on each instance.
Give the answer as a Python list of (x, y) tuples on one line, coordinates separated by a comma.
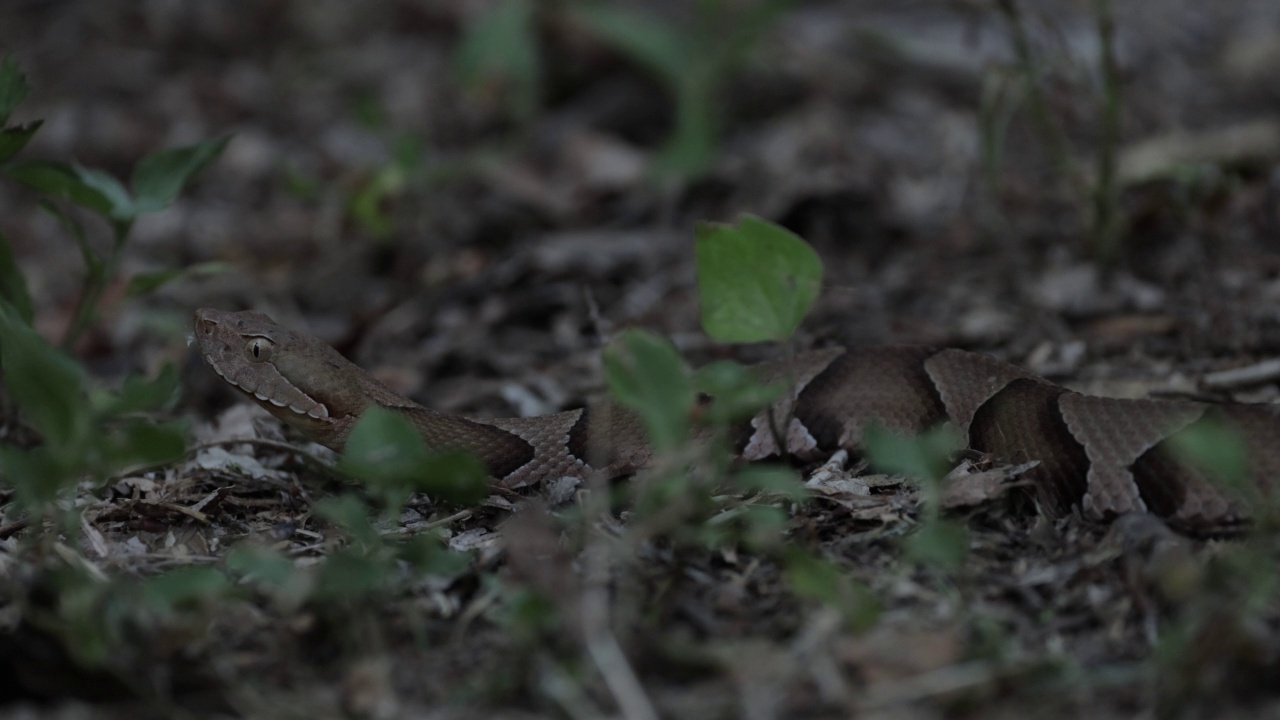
[(158, 178), (90, 614), (263, 565), (346, 575), (410, 154), (756, 280), (940, 543), (757, 527), (184, 587), (821, 580), (502, 44), (138, 393), (143, 283), (426, 554), (647, 375), (369, 206), (352, 515), (651, 44), (527, 615), (141, 443), (300, 185), (386, 452), (46, 385), (59, 180), (38, 475), (1215, 449), (765, 526), (13, 286), (815, 578), (734, 390), (13, 87), (13, 139), (454, 476), (690, 149), (774, 479), (925, 457), (120, 205), (369, 112), (271, 572), (93, 262)]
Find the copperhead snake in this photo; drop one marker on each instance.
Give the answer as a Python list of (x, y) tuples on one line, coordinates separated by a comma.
[(1106, 457)]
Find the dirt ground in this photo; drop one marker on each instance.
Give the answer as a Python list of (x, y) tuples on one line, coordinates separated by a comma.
[(471, 216)]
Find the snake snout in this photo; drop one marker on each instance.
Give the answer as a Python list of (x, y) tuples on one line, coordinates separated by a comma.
[(206, 319)]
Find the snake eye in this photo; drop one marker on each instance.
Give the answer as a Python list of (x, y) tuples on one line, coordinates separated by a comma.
[(258, 349)]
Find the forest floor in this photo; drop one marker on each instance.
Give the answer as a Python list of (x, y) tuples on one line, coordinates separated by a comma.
[(470, 198)]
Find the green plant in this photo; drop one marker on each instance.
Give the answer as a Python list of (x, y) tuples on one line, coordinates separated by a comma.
[(499, 53), (388, 457), (938, 542), (1106, 193), (692, 63), (756, 282), (85, 431), (154, 184), (1100, 192)]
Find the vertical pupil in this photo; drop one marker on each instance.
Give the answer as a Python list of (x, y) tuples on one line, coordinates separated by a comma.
[(255, 349)]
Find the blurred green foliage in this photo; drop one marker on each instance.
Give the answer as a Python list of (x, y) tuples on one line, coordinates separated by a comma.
[(154, 183), (756, 282), (693, 62), (499, 52), (646, 374), (1025, 87), (386, 452), (85, 431), (692, 59)]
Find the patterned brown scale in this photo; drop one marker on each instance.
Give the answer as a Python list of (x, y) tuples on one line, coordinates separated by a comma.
[(1182, 491), (889, 387), (1022, 422), (1194, 493), (1104, 456), (1115, 434), (1256, 426), (502, 452), (756, 438), (965, 381)]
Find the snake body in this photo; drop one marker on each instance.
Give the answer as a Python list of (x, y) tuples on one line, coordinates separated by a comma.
[(1105, 456)]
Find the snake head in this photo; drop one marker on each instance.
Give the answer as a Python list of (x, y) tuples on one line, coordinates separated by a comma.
[(296, 377)]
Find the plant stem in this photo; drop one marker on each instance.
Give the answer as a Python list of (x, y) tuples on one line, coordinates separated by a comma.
[(94, 285), (1106, 215), (1042, 117)]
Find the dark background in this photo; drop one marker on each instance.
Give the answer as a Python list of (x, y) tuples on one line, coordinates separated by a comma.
[(469, 205)]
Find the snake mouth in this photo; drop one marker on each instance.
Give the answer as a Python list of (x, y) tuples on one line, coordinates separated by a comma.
[(318, 412)]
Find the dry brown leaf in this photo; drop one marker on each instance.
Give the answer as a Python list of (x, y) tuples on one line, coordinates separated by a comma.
[(970, 489)]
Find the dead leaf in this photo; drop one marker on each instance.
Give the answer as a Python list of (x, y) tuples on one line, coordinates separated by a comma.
[(965, 489)]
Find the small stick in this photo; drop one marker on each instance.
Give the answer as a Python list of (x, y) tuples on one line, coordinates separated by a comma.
[(1254, 374)]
